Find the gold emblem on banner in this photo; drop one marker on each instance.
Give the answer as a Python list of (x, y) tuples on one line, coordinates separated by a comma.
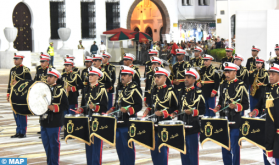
[(70, 127), (95, 125), (132, 130), (164, 135), (208, 129), (245, 128)]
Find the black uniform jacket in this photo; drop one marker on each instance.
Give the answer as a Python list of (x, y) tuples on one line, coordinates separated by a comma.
[(192, 98), (234, 89), (60, 101), (18, 73), (129, 95), (210, 80)]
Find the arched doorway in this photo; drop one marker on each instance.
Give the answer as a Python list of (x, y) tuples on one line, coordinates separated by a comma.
[(162, 8), (22, 21), (148, 30), (161, 38)]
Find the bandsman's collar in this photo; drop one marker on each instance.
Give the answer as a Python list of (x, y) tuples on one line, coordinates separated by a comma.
[(163, 86), (70, 72), (180, 61), (127, 83), (198, 57), (232, 81), (189, 89), (95, 85), (53, 85), (131, 65), (254, 57), (275, 84), (19, 66)]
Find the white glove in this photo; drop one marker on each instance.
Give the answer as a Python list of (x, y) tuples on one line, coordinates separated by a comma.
[(271, 160)]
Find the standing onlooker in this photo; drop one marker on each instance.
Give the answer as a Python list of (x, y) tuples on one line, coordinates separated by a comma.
[(94, 48), (80, 46), (50, 51), (102, 47)]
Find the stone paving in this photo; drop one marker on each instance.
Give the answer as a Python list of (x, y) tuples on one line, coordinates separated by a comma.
[(74, 151)]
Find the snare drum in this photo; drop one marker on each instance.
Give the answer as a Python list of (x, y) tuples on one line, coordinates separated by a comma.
[(171, 122), (29, 97)]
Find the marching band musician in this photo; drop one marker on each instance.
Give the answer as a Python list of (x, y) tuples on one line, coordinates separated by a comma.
[(18, 72), (105, 79), (209, 84), (84, 77), (258, 79), (150, 79), (72, 83), (72, 58), (228, 58), (111, 72), (128, 59), (51, 125), (272, 116), (193, 104), (147, 64), (242, 73), (232, 90), (251, 62), (179, 71), (270, 92), (129, 99), (162, 103), (95, 93), (197, 60), (41, 71)]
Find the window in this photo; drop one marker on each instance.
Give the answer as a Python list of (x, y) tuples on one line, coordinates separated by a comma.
[(88, 21), (57, 17), (112, 14), (204, 2), (186, 2)]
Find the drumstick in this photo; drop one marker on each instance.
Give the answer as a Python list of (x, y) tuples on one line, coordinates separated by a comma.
[(183, 112), (74, 111), (151, 115), (45, 98), (118, 110)]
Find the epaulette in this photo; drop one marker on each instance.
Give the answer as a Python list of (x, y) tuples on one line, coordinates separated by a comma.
[(59, 86), (199, 91), (222, 82), (240, 83), (175, 63), (133, 86), (25, 67), (147, 62), (170, 88), (192, 58), (250, 57), (101, 85), (274, 57)]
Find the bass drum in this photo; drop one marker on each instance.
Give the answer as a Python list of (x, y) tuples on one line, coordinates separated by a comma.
[(29, 97)]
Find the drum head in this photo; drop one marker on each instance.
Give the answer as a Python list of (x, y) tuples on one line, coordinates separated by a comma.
[(39, 97)]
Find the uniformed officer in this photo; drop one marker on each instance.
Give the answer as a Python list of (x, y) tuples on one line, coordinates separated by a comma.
[(50, 51), (272, 118), (147, 64), (150, 79), (41, 71), (193, 104), (251, 62), (53, 121), (105, 79), (111, 72), (242, 73), (95, 93), (71, 83), (179, 70), (230, 91), (258, 80), (84, 77), (197, 60), (162, 103), (18, 72), (80, 46), (128, 59), (228, 58), (129, 102), (209, 84), (72, 58)]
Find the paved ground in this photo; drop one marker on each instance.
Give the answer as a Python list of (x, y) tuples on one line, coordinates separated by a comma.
[(74, 152)]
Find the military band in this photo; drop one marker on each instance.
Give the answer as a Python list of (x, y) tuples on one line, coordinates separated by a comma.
[(184, 93)]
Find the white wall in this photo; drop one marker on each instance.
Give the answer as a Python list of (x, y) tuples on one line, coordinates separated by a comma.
[(222, 29), (195, 11), (256, 28)]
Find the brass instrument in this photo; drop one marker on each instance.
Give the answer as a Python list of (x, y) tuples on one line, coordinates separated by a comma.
[(255, 85)]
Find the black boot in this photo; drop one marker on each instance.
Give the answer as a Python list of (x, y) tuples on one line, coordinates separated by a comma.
[(22, 135), (15, 136), (39, 132)]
